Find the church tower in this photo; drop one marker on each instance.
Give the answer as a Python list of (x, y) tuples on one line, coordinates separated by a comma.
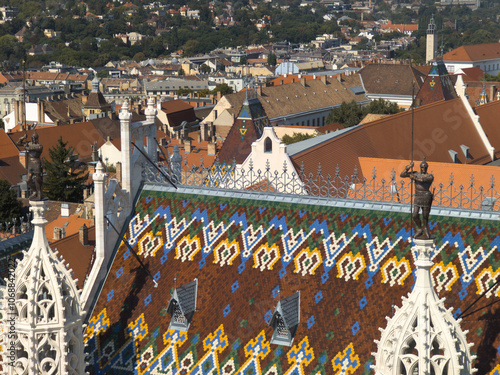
[(430, 52), (43, 328), (96, 104), (423, 337)]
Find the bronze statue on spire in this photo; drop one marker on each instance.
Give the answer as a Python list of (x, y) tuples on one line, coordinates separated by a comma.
[(422, 199), (35, 170)]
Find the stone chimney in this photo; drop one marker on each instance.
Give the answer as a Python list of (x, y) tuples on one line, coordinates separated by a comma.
[(203, 131), (41, 111), (493, 88), (23, 158), (323, 79), (198, 137), (259, 90), (83, 235), (17, 117), (187, 146), (303, 81), (219, 96), (118, 167), (212, 148), (59, 233), (339, 77)]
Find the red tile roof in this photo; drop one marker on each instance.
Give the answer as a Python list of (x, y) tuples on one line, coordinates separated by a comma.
[(474, 52), (488, 118), (438, 127), (10, 167), (79, 257)]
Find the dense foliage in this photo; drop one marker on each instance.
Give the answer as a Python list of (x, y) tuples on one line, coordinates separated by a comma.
[(10, 207), (295, 137), (89, 29), (65, 177), (350, 114)]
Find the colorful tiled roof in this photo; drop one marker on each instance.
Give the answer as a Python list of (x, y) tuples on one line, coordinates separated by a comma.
[(246, 129), (437, 85), (352, 266)]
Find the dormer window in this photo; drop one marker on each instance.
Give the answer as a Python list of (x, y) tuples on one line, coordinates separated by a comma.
[(285, 320), (182, 306)]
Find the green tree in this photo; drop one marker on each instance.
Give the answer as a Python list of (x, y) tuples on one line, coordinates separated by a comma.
[(65, 179), (272, 59), (381, 107), (181, 72), (10, 207), (295, 137), (224, 89), (348, 114), (243, 60), (204, 68)]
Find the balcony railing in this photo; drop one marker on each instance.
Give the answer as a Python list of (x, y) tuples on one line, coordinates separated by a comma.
[(470, 196)]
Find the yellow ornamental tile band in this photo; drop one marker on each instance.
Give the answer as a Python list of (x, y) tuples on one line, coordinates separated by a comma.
[(96, 325), (395, 272), (226, 252), (346, 362), (486, 278), (149, 245), (187, 248), (444, 277), (350, 267), (265, 257), (307, 261)]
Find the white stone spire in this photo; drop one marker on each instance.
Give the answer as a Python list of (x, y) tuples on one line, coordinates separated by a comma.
[(125, 120), (46, 311), (423, 338), (151, 131)]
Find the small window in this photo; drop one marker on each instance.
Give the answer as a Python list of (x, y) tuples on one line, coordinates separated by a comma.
[(268, 145), (285, 320), (307, 122), (182, 306)]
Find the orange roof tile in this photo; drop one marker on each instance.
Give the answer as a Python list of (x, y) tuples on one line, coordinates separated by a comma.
[(439, 127), (474, 52), (462, 174), (71, 225), (79, 257)]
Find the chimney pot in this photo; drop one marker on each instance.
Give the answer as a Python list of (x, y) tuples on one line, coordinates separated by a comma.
[(84, 235), (187, 146), (211, 148)]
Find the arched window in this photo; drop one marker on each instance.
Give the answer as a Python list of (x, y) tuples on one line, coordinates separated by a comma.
[(268, 145)]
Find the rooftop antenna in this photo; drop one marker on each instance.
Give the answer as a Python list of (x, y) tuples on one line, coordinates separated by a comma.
[(23, 120), (412, 128)]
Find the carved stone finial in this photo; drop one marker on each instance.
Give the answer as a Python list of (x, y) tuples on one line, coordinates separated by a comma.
[(423, 337)]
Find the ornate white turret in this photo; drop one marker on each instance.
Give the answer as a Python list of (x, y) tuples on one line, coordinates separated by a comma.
[(423, 338), (151, 132), (46, 311)]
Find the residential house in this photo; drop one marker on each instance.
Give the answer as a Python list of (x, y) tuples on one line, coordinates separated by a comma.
[(484, 56)]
